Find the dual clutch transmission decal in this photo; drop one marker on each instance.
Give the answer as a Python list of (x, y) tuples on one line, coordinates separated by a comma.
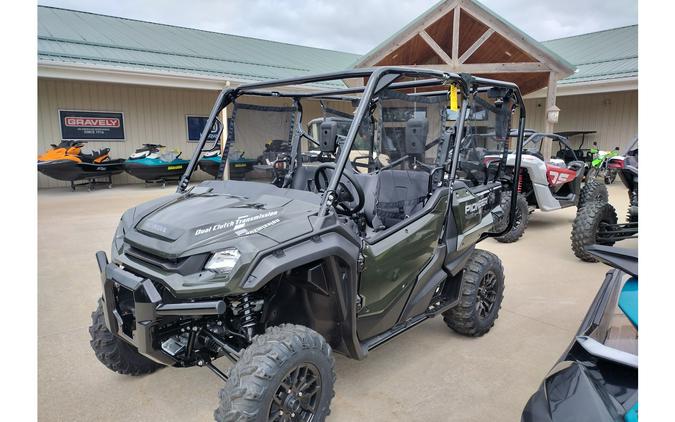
[(240, 224)]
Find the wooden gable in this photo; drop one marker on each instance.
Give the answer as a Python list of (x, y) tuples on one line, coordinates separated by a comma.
[(463, 36)]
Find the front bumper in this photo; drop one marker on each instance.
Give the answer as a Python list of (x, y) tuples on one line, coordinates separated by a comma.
[(133, 309)]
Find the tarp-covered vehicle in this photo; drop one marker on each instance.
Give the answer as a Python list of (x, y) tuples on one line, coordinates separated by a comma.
[(596, 379), (277, 277)]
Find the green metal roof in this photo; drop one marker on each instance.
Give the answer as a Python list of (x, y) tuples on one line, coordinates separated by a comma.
[(68, 36), (602, 55), (74, 37)]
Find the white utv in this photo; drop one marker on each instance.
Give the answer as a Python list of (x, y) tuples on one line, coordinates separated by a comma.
[(547, 186)]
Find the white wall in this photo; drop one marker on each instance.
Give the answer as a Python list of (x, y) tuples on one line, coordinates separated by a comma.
[(613, 115)]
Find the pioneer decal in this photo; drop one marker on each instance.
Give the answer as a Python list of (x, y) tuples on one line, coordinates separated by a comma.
[(476, 206), (240, 223), (85, 125)]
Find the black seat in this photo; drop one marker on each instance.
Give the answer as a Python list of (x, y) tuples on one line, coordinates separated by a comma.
[(303, 178), (578, 166), (566, 155), (393, 195)]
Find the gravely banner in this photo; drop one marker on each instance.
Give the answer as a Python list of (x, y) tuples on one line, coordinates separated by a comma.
[(91, 125)]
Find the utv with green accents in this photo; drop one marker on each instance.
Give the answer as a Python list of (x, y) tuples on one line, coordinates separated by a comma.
[(341, 254)]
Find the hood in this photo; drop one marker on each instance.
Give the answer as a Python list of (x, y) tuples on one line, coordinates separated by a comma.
[(201, 222)]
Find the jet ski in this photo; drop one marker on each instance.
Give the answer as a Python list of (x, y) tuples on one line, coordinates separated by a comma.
[(150, 164), (67, 162), (239, 166)]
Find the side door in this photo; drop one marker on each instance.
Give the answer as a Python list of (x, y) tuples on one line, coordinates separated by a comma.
[(472, 216), (392, 261)]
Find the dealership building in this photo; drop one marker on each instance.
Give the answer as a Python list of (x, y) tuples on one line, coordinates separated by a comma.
[(120, 83)]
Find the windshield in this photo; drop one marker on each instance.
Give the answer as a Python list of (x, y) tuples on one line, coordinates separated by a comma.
[(261, 130), (411, 125), (401, 130), (486, 142), (615, 329)]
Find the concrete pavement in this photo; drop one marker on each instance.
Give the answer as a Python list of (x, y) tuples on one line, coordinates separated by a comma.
[(427, 374)]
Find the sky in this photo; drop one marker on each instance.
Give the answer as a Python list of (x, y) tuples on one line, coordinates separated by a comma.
[(355, 26)]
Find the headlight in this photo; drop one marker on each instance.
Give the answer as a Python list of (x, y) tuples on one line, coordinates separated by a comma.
[(118, 240), (222, 262)]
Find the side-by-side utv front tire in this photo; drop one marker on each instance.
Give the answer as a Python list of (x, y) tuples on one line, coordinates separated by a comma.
[(520, 220), (286, 374), (115, 353), (593, 191), (588, 223), (481, 295)]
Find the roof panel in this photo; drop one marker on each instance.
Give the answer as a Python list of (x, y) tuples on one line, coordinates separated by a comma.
[(602, 55), (73, 36), (80, 37)]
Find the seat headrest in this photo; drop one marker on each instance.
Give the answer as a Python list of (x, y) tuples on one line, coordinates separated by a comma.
[(415, 136)]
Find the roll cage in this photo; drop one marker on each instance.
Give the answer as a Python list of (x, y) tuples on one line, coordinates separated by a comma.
[(378, 79), (539, 136)]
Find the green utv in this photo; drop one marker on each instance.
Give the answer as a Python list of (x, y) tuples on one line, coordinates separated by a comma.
[(344, 253)]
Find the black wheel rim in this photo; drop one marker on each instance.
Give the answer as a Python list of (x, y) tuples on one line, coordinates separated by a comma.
[(487, 295), (298, 396)]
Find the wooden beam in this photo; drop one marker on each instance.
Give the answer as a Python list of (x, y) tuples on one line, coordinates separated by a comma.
[(513, 36), (391, 45), (475, 46), (528, 67), (502, 67), (455, 34), (437, 48)]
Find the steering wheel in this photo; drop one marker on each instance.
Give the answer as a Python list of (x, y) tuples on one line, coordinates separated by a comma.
[(344, 194)]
